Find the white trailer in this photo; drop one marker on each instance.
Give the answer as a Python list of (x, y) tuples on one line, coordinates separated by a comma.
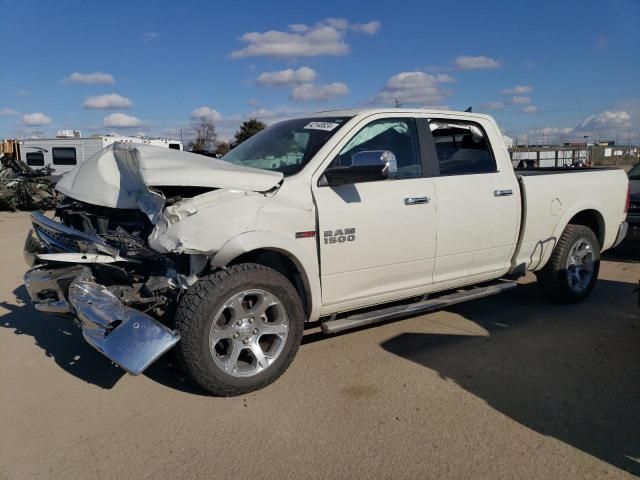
[(64, 153)]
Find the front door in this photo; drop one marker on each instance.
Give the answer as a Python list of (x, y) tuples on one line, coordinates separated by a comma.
[(378, 238)]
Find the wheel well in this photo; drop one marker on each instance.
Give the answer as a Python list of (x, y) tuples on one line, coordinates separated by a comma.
[(283, 264), (591, 219)]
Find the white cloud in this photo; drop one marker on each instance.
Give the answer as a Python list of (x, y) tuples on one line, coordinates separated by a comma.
[(324, 38), (150, 36), (36, 119), (465, 62), (112, 100), (121, 120), (551, 131), (370, 28), (604, 124), (520, 100), (415, 88), (23, 93), (308, 92), (7, 112), (607, 119), (95, 78), (299, 27), (530, 109), (287, 77), (493, 106), (517, 90), (207, 113)]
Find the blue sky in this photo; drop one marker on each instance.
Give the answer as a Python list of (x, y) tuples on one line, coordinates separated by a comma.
[(547, 70)]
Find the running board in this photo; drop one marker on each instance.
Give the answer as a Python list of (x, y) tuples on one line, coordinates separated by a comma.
[(371, 317)]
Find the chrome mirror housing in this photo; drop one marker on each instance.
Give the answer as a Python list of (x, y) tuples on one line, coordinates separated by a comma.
[(384, 159)]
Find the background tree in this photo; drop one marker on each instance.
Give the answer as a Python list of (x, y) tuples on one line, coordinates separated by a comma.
[(222, 148), (205, 135), (247, 130)]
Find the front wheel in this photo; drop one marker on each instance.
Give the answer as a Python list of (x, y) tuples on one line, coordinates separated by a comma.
[(572, 271), (240, 329)]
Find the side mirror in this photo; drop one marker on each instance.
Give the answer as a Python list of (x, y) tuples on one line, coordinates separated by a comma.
[(366, 166)]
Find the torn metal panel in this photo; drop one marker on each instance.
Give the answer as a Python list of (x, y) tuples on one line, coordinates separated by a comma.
[(201, 225)]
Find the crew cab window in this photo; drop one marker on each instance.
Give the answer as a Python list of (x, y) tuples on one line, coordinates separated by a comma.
[(64, 155), (462, 148), (397, 135), (35, 159)]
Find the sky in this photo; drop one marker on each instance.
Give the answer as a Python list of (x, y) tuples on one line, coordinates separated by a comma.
[(547, 71)]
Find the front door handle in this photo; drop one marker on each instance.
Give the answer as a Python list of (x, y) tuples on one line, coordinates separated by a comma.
[(502, 193), (416, 200)]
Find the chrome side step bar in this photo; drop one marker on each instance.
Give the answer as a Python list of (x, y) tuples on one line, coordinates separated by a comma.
[(462, 295)]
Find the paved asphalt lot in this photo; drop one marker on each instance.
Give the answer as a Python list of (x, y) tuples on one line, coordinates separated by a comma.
[(506, 387)]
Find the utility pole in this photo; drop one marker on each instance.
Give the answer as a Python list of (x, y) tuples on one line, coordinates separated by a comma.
[(586, 149), (398, 104)]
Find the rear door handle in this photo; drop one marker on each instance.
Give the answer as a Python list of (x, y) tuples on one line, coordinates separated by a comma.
[(502, 193), (416, 200)]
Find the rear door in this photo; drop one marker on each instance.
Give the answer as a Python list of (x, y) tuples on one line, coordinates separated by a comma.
[(478, 203), (378, 238)]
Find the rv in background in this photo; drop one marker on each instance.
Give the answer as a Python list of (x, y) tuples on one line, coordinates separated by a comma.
[(69, 148)]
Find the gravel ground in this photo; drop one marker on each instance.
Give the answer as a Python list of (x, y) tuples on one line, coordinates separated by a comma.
[(505, 387)]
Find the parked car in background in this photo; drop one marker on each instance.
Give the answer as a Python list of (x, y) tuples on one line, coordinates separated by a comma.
[(633, 218), (346, 217)]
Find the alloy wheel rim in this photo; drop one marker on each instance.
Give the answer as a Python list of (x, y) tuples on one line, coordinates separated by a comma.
[(580, 265), (248, 333)]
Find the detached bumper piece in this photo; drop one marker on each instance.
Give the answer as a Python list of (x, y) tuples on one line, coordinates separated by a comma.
[(126, 336)]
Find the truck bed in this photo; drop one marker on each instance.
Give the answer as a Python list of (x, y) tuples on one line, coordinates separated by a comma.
[(527, 172), (550, 199)]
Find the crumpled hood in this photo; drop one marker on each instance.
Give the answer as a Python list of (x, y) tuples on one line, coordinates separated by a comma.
[(119, 176)]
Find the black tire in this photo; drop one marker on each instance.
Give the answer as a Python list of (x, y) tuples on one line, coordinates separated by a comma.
[(553, 278), (195, 316)]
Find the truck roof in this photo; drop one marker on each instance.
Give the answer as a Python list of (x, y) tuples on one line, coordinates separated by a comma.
[(410, 111)]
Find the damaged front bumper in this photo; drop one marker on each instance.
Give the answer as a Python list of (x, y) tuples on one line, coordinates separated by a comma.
[(128, 337)]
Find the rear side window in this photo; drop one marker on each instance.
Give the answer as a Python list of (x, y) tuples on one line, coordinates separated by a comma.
[(174, 146), (462, 148), (35, 159), (64, 155)]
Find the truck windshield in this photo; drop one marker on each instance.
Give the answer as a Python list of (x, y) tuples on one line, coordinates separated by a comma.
[(286, 146), (634, 173)]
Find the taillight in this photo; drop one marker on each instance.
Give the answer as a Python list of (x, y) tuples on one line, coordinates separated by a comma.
[(626, 205)]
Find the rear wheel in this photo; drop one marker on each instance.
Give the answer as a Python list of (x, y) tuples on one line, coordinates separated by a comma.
[(572, 271), (240, 329)]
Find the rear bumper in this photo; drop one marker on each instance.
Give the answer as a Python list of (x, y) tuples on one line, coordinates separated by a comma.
[(128, 337)]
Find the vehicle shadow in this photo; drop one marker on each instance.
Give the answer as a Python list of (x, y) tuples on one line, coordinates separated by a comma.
[(566, 371), (627, 251), (61, 340)]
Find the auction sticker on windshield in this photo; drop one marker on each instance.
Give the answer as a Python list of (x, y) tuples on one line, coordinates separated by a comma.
[(326, 126)]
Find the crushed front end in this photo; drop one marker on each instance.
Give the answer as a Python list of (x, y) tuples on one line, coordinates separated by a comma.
[(95, 265)]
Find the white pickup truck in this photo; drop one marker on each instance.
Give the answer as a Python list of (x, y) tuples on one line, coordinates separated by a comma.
[(345, 218)]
